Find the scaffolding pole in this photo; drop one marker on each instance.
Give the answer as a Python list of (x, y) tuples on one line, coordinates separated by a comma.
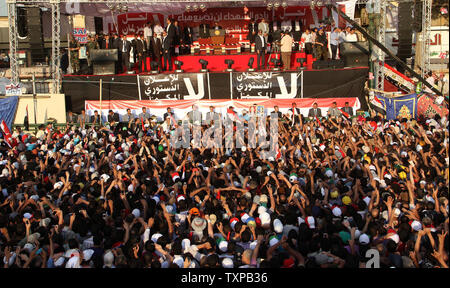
[(426, 32), (13, 43), (56, 44), (381, 37)]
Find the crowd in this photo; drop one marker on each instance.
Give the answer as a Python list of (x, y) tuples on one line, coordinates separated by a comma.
[(119, 195)]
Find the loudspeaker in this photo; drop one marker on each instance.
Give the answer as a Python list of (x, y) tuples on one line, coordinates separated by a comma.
[(22, 23), (320, 64), (98, 22), (104, 68), (417, 16), (336, 64), (355, 54), (405, 22), (104, 55), (35, 35)]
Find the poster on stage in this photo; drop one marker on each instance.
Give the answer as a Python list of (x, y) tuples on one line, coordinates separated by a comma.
[(186, 86), (261, 85)]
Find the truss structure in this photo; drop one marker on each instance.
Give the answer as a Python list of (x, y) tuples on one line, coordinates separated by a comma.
[(55, 5)]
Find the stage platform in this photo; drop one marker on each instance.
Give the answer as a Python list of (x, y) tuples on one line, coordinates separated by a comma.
[(308, 83)]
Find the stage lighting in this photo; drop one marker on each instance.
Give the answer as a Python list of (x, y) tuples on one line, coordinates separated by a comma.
[(203, 7), (276, 5), (269, 6), (154, 65), (178, 64), (302, 62), (276, 62), (284, 4), (204, 65), (195, 7), (188, 8), (250, 64), (229, 62)]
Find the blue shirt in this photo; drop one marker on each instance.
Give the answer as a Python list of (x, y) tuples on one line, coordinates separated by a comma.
[(334, 38)]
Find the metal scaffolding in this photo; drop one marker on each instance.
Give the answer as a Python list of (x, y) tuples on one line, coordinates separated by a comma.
[(56, 44), (13, 35), (381, 35), (426, 32)]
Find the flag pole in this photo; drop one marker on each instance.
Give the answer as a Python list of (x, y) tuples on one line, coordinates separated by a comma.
[(101, 91), (34, 101)]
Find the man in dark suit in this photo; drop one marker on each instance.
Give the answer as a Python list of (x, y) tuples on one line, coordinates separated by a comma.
[(347, 109), (315, 111), (166, 45), (217, 26), (260, 46), (106, 43), (156, 49), (169, 113), (295, 116), (203, 31), (140, 51), (112, 116), (171, 31), (95, 119), (71, 118), (252, 30), (134, 44), (124, 52), (187, 39), (115, 43)]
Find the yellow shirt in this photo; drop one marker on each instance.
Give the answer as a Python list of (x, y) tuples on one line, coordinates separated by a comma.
[(286, 43)]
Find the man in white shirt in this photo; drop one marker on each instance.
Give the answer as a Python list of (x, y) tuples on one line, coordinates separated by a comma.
[(351, 36), (334, 42), (307, 38), (148, 34), (158, 29), (432, 80), (264, 27), (286, 49)]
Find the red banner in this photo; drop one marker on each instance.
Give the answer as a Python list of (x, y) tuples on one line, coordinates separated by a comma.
[(228, 18)]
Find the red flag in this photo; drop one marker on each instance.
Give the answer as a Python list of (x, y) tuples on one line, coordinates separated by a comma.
[(344, 113), (278, 154), (318, 121), (142, 121), (235, 117), (7, 134)]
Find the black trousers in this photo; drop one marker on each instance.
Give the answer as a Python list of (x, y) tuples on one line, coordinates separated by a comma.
[(308, 48), (333, 51), (261, 58), (167, 61), (125, 61)]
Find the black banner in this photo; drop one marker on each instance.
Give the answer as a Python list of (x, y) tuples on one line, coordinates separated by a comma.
[(327, 83), (253, 85), (180, 86)]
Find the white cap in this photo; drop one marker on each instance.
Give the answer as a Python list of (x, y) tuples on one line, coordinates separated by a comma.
[(273, 241), (155, 237), (136, 213), (223, 246), (277, 226), (261, 209), (185, 244), (87, 254), (265, 218), (364, 239), (227, 263), (337, 211), (329, 173), (416, 225)]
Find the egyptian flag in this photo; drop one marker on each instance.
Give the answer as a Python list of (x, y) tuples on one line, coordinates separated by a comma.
[(26, 122), (175, 176), (6, 134), (278, 154), (142, 121), (233, 115), (318, 121), (346, 115), (377, 105)]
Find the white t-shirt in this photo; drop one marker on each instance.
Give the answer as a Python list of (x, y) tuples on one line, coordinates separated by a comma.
[(147, 32), (351, 37)]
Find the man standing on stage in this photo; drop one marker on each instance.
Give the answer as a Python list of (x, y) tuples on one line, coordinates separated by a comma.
[(334, 42), (166, 45), (252, 30), (144, 115), (74, 47), (286, 49), (315, 111), (156, 49), (90, 46), (264, 27), (148, 34), (295, 117), (333, 111), (347, 109), (307, 37), (124, 49), (260, 46), (322, 45)]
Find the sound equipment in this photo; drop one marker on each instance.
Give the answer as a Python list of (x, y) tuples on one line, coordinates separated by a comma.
[(104, 68), (417, 16), (355, 54), (98, 22), (104, 55), (320, 64), (35, 35), (22, 27), (405, 28)]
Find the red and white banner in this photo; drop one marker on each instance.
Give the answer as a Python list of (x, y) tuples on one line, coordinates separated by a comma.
[(182, 107)]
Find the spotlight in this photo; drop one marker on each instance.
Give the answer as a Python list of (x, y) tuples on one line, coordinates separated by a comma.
[(188, 8), (154, 65), (203, 7), (195, 7), (276, 62), (269, 6), (204, 65), (229, 62), (178, 64), (302, 62), (284, 4), (276, 5), (250, 65)]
